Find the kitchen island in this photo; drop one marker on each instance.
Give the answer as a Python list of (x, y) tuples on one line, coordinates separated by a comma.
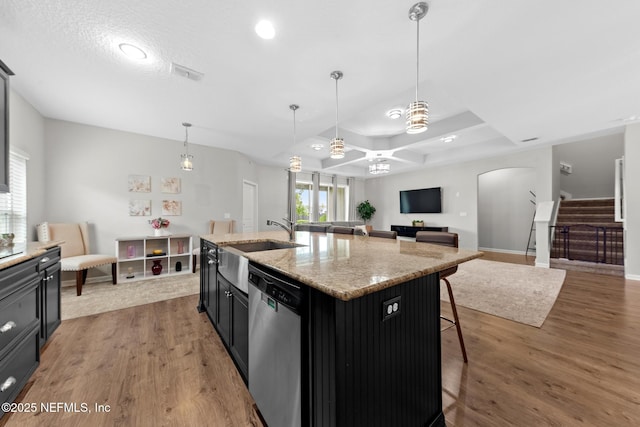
[(370, 335)]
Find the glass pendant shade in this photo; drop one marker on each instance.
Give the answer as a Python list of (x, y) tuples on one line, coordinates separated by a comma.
[(337, 148), (417, 117), (186, 159), (295, 164), (378, 168), (186, 164)]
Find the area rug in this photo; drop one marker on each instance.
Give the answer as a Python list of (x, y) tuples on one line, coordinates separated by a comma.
[(516, 292), (103, 296)]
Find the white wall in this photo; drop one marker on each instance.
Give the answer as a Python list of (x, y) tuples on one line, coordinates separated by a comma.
[(459, 184), (592, 162), (272, 196), (87, 171), (26, 127), (632, 197), (505, 211)]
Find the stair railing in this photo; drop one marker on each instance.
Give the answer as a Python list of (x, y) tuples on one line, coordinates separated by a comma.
[(603, 246)]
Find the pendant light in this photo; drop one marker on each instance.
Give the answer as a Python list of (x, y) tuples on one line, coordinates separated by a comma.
[(417, 111), (295, 162), (379, 168), (337, 144), (186, 163)]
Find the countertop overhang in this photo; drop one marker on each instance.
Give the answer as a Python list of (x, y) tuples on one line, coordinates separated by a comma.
[(26, 252), (348, 266)]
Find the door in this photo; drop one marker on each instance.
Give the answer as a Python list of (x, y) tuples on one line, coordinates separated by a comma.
[(249, 207)]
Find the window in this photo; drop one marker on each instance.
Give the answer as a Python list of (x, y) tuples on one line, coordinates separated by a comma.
[(303, 201), (13, 205), (305, 209)]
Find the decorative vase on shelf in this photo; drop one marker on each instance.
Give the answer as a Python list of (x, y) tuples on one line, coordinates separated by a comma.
[(156, 268), (160, 226)]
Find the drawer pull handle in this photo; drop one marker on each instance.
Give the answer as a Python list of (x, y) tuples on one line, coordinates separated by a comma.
[(45, 259), (7, 384), (7, 326)]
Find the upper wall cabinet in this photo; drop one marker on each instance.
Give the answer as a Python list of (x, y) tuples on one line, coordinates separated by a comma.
[(5, 72)]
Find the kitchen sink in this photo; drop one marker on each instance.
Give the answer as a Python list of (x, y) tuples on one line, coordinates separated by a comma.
[(267, 245)]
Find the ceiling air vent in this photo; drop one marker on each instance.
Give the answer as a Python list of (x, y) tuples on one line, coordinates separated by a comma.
[(529, 139), (182, 71)]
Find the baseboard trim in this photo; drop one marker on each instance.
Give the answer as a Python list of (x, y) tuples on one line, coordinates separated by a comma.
[(632, 276), (94, 279), (505, 251)]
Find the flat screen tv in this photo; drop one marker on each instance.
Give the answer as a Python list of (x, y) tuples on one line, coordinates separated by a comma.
[(424, 200)]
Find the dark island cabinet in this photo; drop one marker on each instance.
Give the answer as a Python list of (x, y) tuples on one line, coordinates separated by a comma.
[(209, 281), (49, 293), (369, 369), (29, 313), (226, 306), (233, 325)]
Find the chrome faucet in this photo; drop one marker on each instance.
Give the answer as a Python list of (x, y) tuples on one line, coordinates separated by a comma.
[(289, 229)]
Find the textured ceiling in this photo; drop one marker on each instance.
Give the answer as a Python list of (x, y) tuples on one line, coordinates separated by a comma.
[(494, 73)]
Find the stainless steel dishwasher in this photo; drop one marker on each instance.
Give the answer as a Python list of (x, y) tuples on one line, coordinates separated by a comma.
[(275, 340)]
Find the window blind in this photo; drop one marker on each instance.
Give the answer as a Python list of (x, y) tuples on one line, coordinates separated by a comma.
[(13, 205)]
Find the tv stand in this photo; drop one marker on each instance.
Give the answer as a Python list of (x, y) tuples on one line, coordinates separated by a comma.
[(410, 231)]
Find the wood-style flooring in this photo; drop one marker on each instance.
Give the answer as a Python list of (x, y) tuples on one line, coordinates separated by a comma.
[(163, 365)]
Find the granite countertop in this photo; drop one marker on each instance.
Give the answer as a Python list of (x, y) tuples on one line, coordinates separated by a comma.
[(23, 252), (348, 266)]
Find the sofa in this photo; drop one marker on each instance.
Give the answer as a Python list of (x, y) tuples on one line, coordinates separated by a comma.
[(323, 227)]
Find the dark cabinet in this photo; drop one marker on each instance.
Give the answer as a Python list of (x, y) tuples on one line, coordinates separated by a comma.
[(239, 338), (49, 293), (29, 313), (410, 231), (226, 306), (209, 281), (233, 322)]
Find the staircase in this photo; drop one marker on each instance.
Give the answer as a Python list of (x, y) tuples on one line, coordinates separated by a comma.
[(586, 237)]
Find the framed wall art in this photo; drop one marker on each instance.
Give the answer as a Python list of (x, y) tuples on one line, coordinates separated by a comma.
[(170, 185), (139, 183), (139, 207), (171, 207)]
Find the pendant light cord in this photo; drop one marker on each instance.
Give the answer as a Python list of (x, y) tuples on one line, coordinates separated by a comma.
[(186, 139), (294, 126), (417, 54), (336, 107)]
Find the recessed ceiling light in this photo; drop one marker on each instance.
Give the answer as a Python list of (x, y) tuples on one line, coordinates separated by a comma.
[(265, 30), (449, 138), (394, 113), (132, 51), (317, 147)]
